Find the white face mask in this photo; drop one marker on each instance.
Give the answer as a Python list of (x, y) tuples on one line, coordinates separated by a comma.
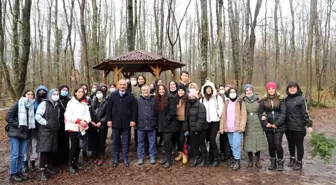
[(112, 89), (99, 96), (233, 95), (222, 92), (55, 97)]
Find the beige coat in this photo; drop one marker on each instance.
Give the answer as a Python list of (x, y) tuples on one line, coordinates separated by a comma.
[(241, 117)]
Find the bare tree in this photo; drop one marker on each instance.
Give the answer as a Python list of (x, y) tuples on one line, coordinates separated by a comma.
[(219, 5), (292, 42), (277, 46), (84, 57), (204, 40), (312, 19)]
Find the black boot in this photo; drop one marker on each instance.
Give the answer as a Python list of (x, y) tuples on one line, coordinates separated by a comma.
[(195, 162), (50, 170), (292, 162), (44, 176), (168, 163), (257, 160), (280, 165), (215, 163), (250, 160), (297, 166), (164, 160), (236, 166), (72, 168), (273, 164), (23, 176), (15, 178), (203, 162), (32, 166), (25, 168), (85, 157)]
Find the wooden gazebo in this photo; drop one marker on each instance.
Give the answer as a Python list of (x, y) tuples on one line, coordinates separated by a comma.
[(137, 61)]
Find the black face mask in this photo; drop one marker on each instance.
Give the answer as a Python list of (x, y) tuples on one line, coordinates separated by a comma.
[(42, 95), (192, 101)]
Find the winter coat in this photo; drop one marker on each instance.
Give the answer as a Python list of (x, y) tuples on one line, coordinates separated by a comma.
[(214, 106), (297, 118), (62, 103), (121, 110), (274, 115), (12, 126), (196, 117), (98, 112), (254, 138), (146, 113), (240, 117), (166, 119), (47, 135), (75, 113)]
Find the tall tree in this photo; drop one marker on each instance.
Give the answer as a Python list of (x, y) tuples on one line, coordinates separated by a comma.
[(204, 40), (312, 19), (95, 46), (130, 28), (292, 42), (25, 48), (219, 5), (277, 46), (84, 56), (233, 23)]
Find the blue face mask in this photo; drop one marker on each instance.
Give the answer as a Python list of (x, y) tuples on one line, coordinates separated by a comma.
[(64, 93)]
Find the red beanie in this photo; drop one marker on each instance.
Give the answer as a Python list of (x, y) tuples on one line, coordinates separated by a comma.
[(270, 85)]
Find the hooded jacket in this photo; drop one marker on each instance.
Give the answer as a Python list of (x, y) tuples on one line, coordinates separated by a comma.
[(214, 106), (297, 118), (47, 115), (41, 87)]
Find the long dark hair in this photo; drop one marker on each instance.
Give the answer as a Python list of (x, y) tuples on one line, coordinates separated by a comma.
[(76, 90), (161, 101), (276, 100), (143, 78)]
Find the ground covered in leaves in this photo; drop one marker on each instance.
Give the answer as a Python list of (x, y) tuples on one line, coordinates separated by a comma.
[(315, 171)]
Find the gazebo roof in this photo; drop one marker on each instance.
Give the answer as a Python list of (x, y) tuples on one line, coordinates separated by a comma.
[(138, 61)]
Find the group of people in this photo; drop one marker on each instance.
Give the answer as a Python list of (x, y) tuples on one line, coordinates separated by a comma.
[(199, 123)]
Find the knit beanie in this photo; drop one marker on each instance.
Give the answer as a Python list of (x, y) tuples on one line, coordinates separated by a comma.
[(270, 85)]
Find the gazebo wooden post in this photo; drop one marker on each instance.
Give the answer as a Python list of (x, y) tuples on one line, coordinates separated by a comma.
[(106, 72), (156, 70), (174, 74), (116, 71)]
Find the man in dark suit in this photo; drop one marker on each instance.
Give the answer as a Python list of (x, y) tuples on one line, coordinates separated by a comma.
[(121, 116)]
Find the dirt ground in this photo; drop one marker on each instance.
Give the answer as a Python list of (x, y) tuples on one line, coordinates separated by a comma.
[(315, 171)]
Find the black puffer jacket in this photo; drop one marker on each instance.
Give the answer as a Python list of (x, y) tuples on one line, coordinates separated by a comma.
[(297, 118), (47, 134), (274, 115), (146, 113), (98, 112), (13, 123), (166, 119), (196, 117)]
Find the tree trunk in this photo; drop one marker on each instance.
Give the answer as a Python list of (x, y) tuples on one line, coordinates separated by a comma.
[(84, 56), (95, 46), (234, 42), (219, 4), (277, 46), (49, 64), (3, 66), (292, 55), (130, 29), (25, 48), (58, 41), (312, 18), (204, 41), (16, 43)]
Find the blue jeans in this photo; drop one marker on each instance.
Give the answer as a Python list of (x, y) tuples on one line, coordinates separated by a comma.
[(125, 134), (151, 134), (18, 148), (235, 141)]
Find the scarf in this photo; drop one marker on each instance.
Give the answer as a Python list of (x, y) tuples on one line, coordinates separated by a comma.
[(23, 105)]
